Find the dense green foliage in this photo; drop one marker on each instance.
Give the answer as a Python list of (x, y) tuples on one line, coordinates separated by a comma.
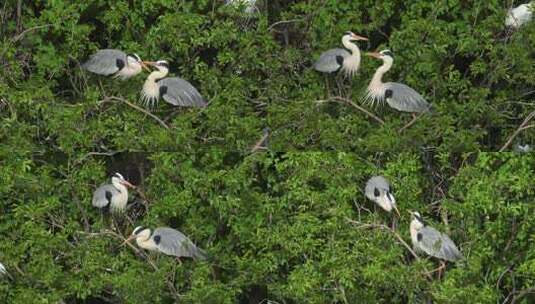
[(289, 227)]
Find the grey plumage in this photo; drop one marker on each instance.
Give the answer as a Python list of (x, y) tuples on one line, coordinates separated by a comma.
[(102, 195), (328, 62), (174, 242), (404, 98), (104, 62), (378, 190), (181, 93), (431, 241), (437, 244)]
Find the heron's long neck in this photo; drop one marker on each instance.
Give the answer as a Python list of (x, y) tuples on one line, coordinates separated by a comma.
[(120, 187), (156, 75), (378, 76), (355, 51), (146, 242)]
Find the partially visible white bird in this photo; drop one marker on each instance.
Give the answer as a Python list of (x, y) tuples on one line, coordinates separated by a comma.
[(114, 62), (166, 240), (3, 270), (520, 15), (250, 5), (114, 195), (431, 241), (347, 60), (378, 190), (173, 90)]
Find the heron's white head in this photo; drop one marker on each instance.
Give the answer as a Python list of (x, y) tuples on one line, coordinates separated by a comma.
[(350, 36), (118, 179), (139, 232), (161, 65), (417, 220), (386, 200), (385, 55), (135, 60)]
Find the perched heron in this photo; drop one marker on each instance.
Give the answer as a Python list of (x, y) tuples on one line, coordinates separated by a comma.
[(337, 59), (114, 195), (166, 240), (431, 241), (378, 190), (114, 62), (397, 95), (249, 5), (173, 90), (519, 15)]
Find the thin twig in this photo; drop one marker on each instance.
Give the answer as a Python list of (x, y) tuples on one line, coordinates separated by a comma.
[(19, 36), (350, 102), (523, 126), (115, 98), (283, 22), (260, 144)]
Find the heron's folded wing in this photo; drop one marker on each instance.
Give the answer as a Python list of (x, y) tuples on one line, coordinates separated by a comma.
[(328, 61), (404, 98), (438, 244), (179, 92), (104, 62), (174, 242), (102, 195)]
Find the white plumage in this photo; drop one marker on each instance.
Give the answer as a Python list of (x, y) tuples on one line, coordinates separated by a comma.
[(250, 5), (520, 15), (347, 60)]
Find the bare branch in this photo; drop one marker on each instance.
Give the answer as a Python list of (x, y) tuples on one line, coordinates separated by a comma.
[(523, 126), (115, 98), (356, 106)]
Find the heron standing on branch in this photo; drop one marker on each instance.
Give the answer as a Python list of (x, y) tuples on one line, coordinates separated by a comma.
[(433, 242), (173, 90), (114, 62), (114, 195), (397, 95), (166, 240)]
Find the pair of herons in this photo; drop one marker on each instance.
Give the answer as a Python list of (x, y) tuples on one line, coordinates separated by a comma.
[(424, 237), (397, 95)]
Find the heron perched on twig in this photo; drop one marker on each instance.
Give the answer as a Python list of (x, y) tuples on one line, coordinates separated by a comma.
[(347, 60), (378, 190), (519, 15), (432, 242), (114, 62), (397, 95), (114, 195), (166, 240), (173, 90)]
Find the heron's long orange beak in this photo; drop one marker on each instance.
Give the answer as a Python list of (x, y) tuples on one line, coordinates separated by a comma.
[(127, 183), (374, 54), (397, 211), (127, 240), (143, 65), (357, 37), (151, 63)]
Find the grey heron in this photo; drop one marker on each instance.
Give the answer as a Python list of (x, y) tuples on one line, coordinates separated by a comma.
[(114, 195), (173, 90), (347, 60), (431, 241), (249, 5), (114, 62), (166, 240), (378, 190), (397, 95), (520, 15)]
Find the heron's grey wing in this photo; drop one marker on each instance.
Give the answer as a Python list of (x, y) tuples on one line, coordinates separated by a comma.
[(174, 242), (331, 61), (376, 182), (404, 98), (437, 244), (102, 196), (179, 92), (106, 62)]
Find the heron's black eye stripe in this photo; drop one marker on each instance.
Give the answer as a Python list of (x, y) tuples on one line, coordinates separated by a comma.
[(141, 228), (347, 33), (376, 192)]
